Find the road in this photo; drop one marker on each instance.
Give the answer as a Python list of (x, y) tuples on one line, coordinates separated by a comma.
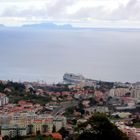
[(60, 110)]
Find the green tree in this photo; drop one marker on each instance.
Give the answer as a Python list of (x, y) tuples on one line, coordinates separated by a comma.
[(98, 127), (63, 132), (54, 129), (6, 137), (38, 136)]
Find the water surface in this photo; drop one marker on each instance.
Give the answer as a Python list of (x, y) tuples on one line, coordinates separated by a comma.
[(47, 54)]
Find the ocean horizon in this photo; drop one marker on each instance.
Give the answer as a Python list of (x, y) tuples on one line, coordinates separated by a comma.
[(45, 55)]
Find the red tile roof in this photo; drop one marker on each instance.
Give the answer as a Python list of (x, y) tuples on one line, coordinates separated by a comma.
[(56, 135)]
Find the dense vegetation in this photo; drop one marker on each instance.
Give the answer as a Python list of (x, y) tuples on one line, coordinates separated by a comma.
[(98, 127), (17, 91)]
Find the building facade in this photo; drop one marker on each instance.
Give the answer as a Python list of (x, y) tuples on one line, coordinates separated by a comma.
[(3, 99)]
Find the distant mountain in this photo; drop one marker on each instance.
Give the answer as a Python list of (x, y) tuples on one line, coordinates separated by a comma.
[(1, 25), (48, 26), (51, 25)]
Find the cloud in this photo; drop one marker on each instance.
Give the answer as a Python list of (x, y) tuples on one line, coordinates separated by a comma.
[(47, 10), (91, 13), (15, 11), (19, 1), (131, 11), (72, 10), (59, 8)]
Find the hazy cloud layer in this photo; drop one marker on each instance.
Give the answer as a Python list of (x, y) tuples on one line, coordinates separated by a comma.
[(37, 9), (72, 10), (130, 11)]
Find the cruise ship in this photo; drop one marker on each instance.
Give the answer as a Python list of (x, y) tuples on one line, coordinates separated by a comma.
[(70, 78)]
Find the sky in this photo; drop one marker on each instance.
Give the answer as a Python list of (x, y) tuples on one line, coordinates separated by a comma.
[(83, 13)]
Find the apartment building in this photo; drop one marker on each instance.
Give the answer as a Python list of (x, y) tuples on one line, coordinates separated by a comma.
[(3, 99)]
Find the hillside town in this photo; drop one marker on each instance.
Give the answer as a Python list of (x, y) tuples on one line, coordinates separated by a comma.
[(56, 110)]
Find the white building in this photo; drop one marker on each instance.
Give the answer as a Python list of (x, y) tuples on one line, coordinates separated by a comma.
[(3, 99), (118, 92), (135, 92), (59, 122), (13, 130)]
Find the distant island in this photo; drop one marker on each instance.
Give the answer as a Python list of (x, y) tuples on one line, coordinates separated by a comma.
[(1, 25), (54, 26), (48, 25)]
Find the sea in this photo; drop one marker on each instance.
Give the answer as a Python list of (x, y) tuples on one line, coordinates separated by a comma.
[(45, 55)]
